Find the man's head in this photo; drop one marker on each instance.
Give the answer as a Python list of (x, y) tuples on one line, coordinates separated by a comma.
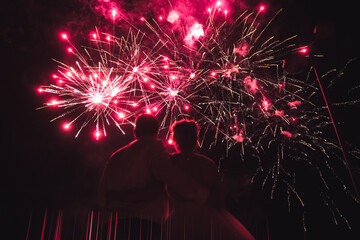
[(146, 125), (185, 135)]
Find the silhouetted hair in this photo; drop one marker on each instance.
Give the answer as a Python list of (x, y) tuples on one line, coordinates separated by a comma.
[(185, 135), (146, 125)]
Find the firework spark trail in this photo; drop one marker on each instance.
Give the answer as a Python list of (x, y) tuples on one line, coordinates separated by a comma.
[(228, 77)]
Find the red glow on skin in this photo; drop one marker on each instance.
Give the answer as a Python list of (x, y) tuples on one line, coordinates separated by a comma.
[(262, 8), (304, 50), (294, 103), (286, 133)]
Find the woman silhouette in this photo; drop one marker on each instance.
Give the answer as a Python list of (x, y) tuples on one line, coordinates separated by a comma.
[(191, 220)]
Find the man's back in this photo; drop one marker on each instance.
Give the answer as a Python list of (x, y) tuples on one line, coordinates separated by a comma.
[(130, 183), (130, 166)]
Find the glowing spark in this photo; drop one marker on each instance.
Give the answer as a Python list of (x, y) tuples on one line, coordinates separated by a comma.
[(294, 103), (97, 134), (98, 98), (40, 90), (266, 104), (195, 32), (304, 50), (173, 16), (262, 8), (240, 136), (286, 133), (279, 113), (172, 92), (64, 36), (66, 126), (113, 13), (251, 84), (242, 49), (121, 115)]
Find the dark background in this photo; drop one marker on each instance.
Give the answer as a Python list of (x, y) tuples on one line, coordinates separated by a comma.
[(43, 167)]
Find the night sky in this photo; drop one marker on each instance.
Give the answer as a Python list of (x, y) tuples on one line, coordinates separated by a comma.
[(41, 166)]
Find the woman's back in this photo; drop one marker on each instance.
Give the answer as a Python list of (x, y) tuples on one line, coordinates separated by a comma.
[(204, 171), (189, 219)]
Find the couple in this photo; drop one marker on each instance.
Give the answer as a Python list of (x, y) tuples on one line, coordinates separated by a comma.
[(141, 179)]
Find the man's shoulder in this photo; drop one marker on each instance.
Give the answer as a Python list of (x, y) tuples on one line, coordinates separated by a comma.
[(152, 142), (205, 159), (121, 150)]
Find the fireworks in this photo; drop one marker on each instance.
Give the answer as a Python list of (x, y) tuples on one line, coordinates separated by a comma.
[(227, 75)]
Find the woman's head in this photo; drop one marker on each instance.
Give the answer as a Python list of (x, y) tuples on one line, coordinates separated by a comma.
[(185, 135)]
